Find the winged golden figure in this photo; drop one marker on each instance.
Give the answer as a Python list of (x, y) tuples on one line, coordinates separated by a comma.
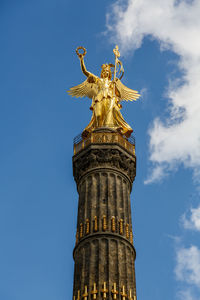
[(106, 94)]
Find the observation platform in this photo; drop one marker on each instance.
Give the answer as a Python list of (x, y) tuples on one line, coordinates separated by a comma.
[(104, 135)]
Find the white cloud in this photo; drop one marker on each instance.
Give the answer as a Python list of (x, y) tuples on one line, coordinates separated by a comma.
[(188, 265), (193, 220), (187, 271), (157, 173), (186, 294), (176, 25)]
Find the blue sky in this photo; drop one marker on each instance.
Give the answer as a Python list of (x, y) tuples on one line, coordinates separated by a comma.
[(38, 121)]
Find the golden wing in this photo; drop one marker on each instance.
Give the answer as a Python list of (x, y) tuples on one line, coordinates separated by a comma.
[(125, 93), (88, 88)]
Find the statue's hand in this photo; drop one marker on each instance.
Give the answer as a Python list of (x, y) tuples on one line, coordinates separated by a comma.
[(80, 55)]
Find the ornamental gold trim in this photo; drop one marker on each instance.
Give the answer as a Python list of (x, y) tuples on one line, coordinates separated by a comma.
[(94, 292), (104, 291), (114, 225)]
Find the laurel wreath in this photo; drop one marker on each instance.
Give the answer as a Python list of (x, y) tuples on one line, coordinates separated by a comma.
[(79, 53)]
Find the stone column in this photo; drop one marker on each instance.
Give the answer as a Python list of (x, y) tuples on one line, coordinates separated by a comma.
[(104, 169)]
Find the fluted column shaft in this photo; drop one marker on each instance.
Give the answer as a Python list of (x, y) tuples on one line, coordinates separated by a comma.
[(104, 253)]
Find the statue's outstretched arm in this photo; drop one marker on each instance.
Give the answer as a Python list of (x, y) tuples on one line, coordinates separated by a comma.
[(83, 67), (90, 76)]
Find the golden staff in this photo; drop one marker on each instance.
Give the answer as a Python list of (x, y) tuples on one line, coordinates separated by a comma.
[(117, 54)]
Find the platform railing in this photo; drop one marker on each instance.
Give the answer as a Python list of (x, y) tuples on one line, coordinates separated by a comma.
[(101, 137)]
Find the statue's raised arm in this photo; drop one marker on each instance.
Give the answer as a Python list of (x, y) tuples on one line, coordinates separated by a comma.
[(81, 57), (106, 94), (87, 88)]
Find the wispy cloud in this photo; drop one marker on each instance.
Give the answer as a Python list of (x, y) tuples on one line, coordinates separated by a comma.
[(188, 265), (186, 294), (192, 220), (176, 25), (187, 271), (157, 174)]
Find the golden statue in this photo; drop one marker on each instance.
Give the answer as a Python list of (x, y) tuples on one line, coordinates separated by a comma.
[(106, 95)]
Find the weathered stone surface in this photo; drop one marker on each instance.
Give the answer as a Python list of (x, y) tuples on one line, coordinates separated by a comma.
[(104, 156)]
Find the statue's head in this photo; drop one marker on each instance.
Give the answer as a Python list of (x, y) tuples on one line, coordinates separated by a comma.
[(106, 71)]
